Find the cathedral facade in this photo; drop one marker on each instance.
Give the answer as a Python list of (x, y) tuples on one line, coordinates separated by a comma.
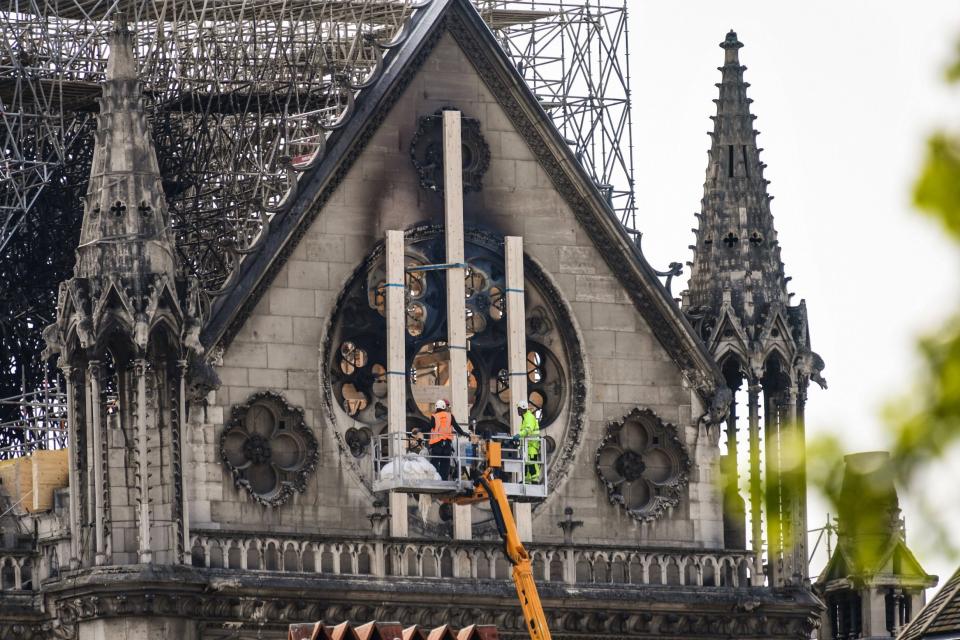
[(226, 490)]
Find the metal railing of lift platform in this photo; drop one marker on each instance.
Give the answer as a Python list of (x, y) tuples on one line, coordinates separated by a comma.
[(403, 462)]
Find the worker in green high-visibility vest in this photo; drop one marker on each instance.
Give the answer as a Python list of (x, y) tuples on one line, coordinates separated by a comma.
[(530, 428)]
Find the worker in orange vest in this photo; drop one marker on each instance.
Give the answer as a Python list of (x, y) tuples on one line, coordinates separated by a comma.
[(441, 438)]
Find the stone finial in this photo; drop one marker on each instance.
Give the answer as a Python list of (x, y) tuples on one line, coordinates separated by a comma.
[(731, 45), (122, 63), (731, 42), (569, 525), (379, 518)]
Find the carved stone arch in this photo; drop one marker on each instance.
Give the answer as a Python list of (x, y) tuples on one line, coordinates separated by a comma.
[(113, 299), (164, 342), (728, 328), (733, 361), (777, 374), (163, 298), (778, 330), (114, 334)]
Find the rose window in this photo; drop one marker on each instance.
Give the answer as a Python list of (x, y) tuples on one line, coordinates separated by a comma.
[(643, 465), (269, 449), (356, 349)]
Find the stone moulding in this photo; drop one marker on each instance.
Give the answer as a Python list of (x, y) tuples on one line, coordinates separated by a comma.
[(273, 600), (643, 465), (269, 449)]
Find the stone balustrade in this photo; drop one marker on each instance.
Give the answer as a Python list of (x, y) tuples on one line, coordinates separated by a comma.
[(558, 563), (17, 571)]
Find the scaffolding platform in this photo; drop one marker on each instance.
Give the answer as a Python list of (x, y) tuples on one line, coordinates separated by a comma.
[(402, 463)]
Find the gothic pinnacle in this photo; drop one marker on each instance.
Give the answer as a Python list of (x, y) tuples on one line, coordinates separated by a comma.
[(735, 233), (125, 223)]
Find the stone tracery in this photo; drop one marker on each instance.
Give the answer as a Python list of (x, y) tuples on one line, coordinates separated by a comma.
[(643, 465), (269, 449), (355, 352)]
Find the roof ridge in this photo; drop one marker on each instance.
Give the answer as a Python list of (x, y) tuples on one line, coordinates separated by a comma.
[(927, 615)]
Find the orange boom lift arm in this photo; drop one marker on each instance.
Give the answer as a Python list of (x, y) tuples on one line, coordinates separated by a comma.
[(489, 487)]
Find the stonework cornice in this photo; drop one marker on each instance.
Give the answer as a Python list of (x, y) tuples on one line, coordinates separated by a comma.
[(274, 600)]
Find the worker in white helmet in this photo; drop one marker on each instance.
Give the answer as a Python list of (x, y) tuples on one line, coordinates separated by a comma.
[(441, 438), (530, 428)]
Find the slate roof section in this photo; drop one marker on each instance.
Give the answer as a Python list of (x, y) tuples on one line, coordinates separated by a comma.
[(316, 185), (388, 631), (941, 617)]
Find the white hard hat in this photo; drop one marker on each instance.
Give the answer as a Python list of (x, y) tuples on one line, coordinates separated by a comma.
[(523, 405), (441, 404)]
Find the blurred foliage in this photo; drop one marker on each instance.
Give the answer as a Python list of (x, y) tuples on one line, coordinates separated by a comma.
[(925, 422), (937, 190)]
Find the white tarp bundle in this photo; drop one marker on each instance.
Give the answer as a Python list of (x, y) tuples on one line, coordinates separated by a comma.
[(414, 467)]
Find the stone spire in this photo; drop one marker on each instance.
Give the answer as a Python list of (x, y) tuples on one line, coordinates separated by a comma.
[(738, 302), (124, 228), (127, 325), (737, 247)]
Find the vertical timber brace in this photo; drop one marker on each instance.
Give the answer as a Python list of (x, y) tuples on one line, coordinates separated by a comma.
[(517, 357), (456, 291), (396, 365)]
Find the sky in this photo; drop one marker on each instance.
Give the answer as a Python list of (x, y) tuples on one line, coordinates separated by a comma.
[(845, 95)]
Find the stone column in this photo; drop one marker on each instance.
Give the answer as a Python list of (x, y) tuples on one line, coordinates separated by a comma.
[(144, 554), (800, 507), (756, 487), (180, 485), (771, 430), (898, 620), (791, 460), (73, 473), (734, 532), (98, 468)]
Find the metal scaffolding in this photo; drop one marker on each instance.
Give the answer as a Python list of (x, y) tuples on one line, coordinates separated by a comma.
[(575, 58), (239, 95), (39, 422)]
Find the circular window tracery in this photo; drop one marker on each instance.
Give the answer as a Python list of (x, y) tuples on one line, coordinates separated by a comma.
[(268, 448), (554, 363), (643, 465)]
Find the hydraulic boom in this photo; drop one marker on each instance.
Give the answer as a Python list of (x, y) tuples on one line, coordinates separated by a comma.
[(489, 487)]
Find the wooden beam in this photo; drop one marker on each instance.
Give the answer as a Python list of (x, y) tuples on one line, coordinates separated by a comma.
[(517, 357), (456, 291), (396, 366), (516, 326)]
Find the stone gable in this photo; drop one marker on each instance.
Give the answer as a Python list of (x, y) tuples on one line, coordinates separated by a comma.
[(279, 345)]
